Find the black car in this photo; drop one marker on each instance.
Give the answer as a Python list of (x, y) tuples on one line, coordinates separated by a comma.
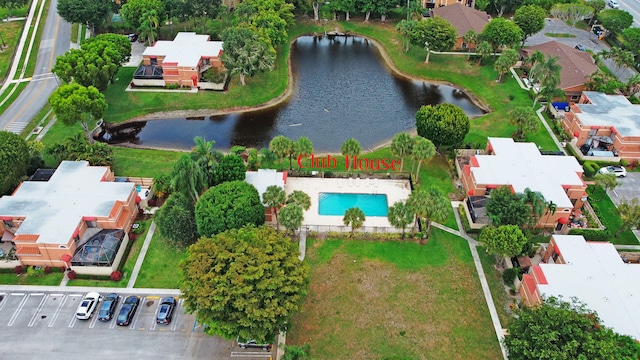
[(128, 309), (580, 47), (253, 344), (165, 312), (108, 307), (133, 37)]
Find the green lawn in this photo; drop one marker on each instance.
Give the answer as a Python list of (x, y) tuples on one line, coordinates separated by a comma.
[(500, 297), (400, 300), (53, 279), (11, 34), (160, 267), (609, 216)]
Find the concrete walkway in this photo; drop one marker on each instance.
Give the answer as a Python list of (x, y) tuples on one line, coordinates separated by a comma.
[(302, 245), (143, 253)]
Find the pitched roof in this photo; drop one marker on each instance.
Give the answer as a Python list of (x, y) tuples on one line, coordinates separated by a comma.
[(463, 18), (577, 65)]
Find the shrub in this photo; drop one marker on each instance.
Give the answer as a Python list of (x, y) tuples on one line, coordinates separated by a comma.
[(116, 275), (624, 162), (71, 274), (590, 168), (592, 234), (139, 230), (47, 270), (35, 271), (17, 270), (132, 236), (633, 164), (509, 275)]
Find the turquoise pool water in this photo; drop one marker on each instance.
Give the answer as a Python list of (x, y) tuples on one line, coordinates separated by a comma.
[(338, 203)]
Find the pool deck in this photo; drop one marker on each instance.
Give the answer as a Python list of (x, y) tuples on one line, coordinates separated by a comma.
[(396, 190)]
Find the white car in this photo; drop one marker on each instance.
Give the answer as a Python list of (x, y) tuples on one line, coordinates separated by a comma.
[(619, 171), (613, 4), (87, 306)]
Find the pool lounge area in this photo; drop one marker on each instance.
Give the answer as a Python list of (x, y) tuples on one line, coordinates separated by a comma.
[(343, 191)]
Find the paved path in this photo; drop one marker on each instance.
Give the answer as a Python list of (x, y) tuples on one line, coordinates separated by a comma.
[(302, 245), (143, 253)]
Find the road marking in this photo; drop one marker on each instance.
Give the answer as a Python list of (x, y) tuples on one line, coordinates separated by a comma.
[(18, 294), (95, 317), (174, 322), (132, 326), (73, 320), (38, 309), (58, 310), (2, 304), (15, 313), (263, 354)]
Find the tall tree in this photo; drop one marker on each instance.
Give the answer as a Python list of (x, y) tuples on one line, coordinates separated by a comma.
[(351, 147), (400, 215), (632, 86), (429, 205), (149, 24), (90, 13), (423, 151), (299, 198), (444, 124), (505, 61), (571, 13), (206, 157), (483, 50), (302, 146), (230, 205), (629, 214), (246, 283), (606, 181), (87, 67), (188, 178), (282, 146), (270, 18), (435, 34), (597, 6), (550, 209), (401, 146), (12, 4), (502, 32), (557, 329), (615, 20), (471, 37), (245, 54), (176, 220), (76, 104), (547, 73), (291, 217), (132, 12), (538, 204), (507, 208), (530, 18), (14, 159), (622, 58), (632, 37), (274, 197), (120, 43), (405, 28), (503, 241), (353, 217), (525, 122), (230, 168)]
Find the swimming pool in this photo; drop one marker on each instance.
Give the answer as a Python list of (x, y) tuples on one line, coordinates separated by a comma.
[(338, 203)]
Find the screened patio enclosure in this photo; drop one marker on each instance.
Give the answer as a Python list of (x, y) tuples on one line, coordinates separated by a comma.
[(99, 250)]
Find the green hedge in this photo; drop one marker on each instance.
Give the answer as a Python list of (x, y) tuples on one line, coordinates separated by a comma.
[(592, 234), (590, 168)]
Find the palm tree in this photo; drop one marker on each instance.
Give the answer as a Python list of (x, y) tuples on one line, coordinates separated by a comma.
[(505, 61), (423, 150), (537, 202), (547, 73), (400, 216), (622, 58), (405, 27), (471, 37), (353, 217), (267, 156), (351, 147), (531, 61), (299, 198), (525, 121), (274, 197), (429, 205), (206, 157), (188, 177), (302, 146), (401, 146), (291, 217), (281, 146), (149, 26), (551, 208)]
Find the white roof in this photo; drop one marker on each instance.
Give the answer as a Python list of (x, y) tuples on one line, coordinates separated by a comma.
[(610, 110), (597, 276), (53, 209), (186, 49), (522, 166), (263, 178)]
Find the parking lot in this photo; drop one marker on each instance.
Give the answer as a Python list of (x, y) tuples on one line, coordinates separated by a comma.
[(628, 188), (45, 323)]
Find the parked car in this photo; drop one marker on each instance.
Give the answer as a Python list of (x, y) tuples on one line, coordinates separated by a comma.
[(133, 37), (613, 4), (580, 47), (165, 312), (87, 306), (619, 171), (109, 304), (252, 344), (128, 309)]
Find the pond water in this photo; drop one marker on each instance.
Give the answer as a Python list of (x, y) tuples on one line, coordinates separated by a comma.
[(342, 89)]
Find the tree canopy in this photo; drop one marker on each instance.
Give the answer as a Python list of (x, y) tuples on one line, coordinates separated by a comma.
[(530, 19), (437, 32), (444, 124), (401, 146), (176, 220), (400, 215), (615, 20), (269, 18), (507, 208), (74, 103), (246, 282), (561, 330), (354, 217), (429, 205), (132, 12), (230, 205), (245, 53), (230, 168), (500, 31), (14, 159), (120, 43), (503, 241), (90, 13), (525, 121), (77, 147), (291, 217)]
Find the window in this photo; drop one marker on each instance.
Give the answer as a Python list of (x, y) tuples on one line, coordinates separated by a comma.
[(62, 246), (154, 61), (487, 191), (554, 256), (92, 223), (575, 97), (76, 238), (9, 223), (593, 132)]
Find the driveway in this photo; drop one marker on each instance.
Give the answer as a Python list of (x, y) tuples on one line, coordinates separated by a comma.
[(137, 49), (585, 38), (628, 189)]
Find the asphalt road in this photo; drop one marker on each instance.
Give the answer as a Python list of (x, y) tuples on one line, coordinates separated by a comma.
[(55, 41)]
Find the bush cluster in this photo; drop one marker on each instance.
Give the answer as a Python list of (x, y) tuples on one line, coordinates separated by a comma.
[(509, 275), (592, 234), (590, 168)]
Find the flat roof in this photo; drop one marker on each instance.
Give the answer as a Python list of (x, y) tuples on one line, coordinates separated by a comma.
[(186, 49), (610, 110), (522, 166), (53, 209), (263, 178), (597, 276)]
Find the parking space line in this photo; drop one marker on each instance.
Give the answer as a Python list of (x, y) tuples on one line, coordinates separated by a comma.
[(58, 310), (38, 309), (251, 354), (174, 322), (95, 316), (154, 324), (15, 313), (137, 315), (18, 294), (2, 304)]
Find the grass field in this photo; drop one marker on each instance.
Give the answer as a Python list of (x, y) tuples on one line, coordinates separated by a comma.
[(11, 34), (609, 216), (400, 300), (53, 279), (160, 267)]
